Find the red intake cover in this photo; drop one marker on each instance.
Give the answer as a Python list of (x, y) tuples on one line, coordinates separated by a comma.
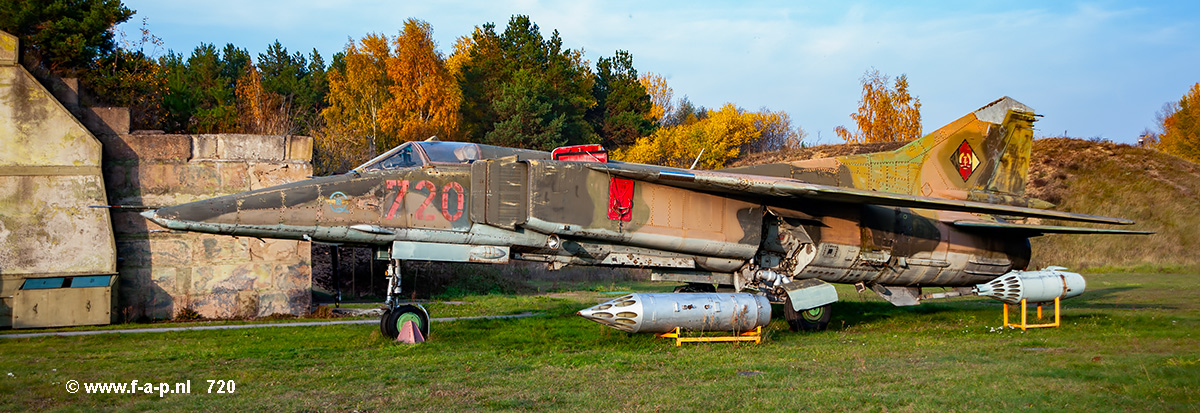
[(581, 153)]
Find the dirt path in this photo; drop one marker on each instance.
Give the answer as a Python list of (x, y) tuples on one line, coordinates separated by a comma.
[(239, 326)]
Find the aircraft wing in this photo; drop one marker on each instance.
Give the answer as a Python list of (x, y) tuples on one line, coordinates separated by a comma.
[(784, 188)]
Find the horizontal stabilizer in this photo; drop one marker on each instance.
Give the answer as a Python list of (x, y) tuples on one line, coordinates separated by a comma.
[(1043, 229)]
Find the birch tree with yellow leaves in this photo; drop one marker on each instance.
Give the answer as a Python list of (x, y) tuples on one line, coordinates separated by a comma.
[(384, 92), (885, 113), (660, 97), (359, 88), (425, 96)]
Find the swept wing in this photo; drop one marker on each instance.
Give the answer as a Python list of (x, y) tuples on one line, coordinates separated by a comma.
[(786, 188)]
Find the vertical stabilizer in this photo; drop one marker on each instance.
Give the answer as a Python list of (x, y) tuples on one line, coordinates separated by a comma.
[(983, 156)]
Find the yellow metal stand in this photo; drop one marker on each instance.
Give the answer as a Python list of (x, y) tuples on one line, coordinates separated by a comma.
[(1025, 322), (752, 335)]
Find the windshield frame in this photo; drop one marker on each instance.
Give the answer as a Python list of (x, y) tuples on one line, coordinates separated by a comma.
[(368, 166), (472, 152)]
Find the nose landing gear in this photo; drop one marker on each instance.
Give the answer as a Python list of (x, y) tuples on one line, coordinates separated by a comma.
[(396, 315)]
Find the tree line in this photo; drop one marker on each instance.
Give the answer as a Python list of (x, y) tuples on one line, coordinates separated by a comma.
[(510, 86)]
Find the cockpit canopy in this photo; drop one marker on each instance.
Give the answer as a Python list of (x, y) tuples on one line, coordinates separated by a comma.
[(418, 153), (414, 154)]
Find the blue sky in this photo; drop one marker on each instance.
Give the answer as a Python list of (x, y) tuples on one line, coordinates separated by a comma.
[(1093, 69)]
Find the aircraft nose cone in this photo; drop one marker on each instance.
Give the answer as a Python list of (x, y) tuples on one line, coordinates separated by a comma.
[(180, 217), (163, 221), (206, 215), (152, 215)]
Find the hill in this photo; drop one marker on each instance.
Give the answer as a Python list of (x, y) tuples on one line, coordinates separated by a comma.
[(1159, 191)]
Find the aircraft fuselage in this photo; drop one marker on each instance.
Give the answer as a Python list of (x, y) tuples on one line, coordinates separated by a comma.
[(575, 215)]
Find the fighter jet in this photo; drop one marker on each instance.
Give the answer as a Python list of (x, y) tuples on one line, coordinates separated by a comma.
[(947, 210)]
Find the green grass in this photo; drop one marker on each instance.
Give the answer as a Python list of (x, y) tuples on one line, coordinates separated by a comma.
[(1129, 343)]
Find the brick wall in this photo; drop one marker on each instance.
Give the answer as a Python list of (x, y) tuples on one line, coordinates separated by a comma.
[(164, 272)]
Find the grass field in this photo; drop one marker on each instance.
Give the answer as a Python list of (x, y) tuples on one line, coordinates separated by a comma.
[(1129, 343)]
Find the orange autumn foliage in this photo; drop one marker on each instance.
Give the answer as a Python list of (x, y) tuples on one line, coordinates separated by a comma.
[(885, 114), (1181, 128)]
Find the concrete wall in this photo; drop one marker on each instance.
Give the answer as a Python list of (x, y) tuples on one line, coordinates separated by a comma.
[(217, 276), (53, 168), (50, 168)]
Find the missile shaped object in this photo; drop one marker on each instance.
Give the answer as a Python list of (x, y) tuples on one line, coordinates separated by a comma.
[(662, 312), (1033, 286)]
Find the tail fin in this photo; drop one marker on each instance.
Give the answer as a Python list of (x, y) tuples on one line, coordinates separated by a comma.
[(983, 156)]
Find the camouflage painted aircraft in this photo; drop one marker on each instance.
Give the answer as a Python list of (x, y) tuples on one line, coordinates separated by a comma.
[(937, 212)]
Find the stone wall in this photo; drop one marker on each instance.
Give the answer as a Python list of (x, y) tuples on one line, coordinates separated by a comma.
[(163, 272)]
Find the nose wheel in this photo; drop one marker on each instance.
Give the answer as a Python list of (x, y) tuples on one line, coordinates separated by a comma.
[(392, 321), (394, 318)]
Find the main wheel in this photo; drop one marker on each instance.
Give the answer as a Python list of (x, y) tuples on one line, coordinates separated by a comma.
[(383, 325), (396, 318), (813, 319)]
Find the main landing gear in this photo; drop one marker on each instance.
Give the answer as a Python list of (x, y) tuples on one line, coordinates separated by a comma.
[(396, 315), (813, 319)]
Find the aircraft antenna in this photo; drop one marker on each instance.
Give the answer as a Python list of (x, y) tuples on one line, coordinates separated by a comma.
[(697, 158)]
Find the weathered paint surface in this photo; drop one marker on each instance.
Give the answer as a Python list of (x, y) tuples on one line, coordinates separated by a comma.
[(982, 156), (49, 175), (921, 216)]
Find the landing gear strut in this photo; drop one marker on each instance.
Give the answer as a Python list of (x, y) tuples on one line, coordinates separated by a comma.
[(396, 315)]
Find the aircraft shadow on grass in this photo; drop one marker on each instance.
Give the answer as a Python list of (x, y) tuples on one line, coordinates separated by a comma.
[(1104, 299)]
